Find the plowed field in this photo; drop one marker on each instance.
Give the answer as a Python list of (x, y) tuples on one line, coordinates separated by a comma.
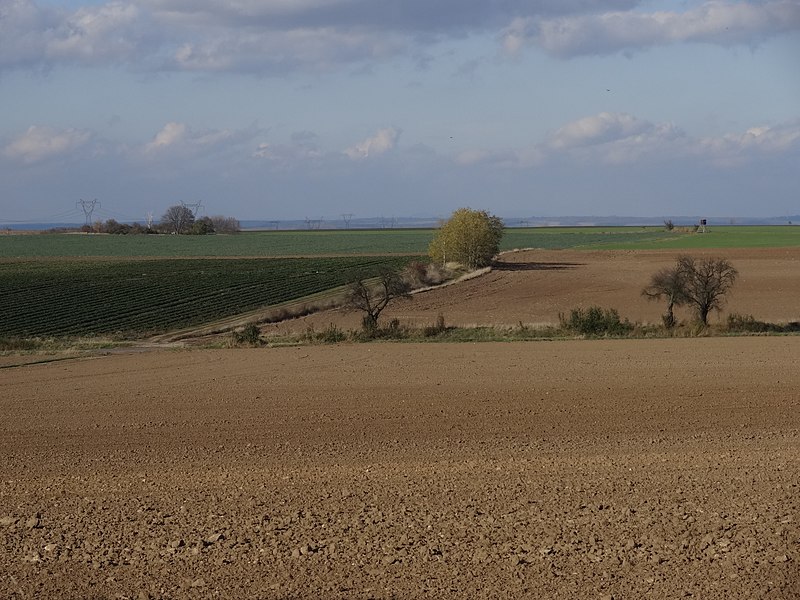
[(533, 286), (571, 469)]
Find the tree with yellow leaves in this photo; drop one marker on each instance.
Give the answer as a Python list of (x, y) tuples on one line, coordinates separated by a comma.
[(470, 237)]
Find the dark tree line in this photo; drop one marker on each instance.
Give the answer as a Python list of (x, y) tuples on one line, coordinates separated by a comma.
[(177, 219)]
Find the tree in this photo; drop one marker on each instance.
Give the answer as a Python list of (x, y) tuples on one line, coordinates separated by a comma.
[(706, 281), (225, 224), (699, 283), (178, 219), (372, 297), (113, 226), (668, 283), (203, 226), (470, 237)]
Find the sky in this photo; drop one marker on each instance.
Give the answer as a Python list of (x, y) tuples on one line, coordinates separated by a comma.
[(292, 109)]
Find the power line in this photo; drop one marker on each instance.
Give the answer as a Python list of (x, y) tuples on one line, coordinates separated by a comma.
[(47, 218), (193, 206), (88, 207)]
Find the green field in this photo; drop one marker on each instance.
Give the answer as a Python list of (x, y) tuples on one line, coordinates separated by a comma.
[(261, 243), (306, 243), (721, 237), (138, 297)]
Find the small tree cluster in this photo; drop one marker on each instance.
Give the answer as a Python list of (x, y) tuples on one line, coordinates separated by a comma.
[(701, 284), (180, 219), (115, 227), (470, 237)]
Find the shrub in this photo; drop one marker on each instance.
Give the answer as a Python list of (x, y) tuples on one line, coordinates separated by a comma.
[(249, 335), (595, 321), (737, 322), (470, 237), (436, 274), (417, 273), (437, 328), (371, 331), (16, 344), (331, 335)]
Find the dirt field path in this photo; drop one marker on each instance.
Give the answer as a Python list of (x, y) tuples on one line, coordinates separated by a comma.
[(576, 469)]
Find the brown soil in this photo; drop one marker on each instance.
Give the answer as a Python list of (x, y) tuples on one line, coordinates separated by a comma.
[(533, 286), (570, 469)]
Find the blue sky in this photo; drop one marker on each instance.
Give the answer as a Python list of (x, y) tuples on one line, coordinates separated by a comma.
[(281, 109)]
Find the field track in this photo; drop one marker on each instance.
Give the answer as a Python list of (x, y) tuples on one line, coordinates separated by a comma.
[(576, 469)]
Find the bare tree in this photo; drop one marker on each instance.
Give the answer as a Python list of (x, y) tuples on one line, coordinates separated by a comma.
[(224, 224), (706, 281), (699, 283), (372, 297), (668, 283), (177, 219)]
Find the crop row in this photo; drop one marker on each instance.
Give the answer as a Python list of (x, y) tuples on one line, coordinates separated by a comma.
[(137, 297)]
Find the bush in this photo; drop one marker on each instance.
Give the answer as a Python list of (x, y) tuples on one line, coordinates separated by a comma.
[(331, 335), (417, 273), (16, 344), (371, 331), (202, 226), (249, 335), (470, 237), (595, 321), (437, 328), (748, 323)]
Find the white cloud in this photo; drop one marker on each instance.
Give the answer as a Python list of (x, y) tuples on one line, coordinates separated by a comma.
[(722, 22), (178, 139), (40, 143), (287, 155), (383, 141), (623, 139), (171, 133), (618, 138), (598, 129), (735, 149)]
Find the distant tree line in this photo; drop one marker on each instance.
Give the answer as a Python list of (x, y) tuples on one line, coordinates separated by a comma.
[(177, 219)]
